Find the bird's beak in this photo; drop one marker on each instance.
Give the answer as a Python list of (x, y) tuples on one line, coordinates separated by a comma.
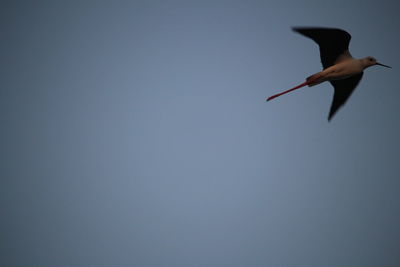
[(383, 65)]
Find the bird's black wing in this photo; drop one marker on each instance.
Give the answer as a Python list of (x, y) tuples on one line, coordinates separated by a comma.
[(332, 43), (343, 90)]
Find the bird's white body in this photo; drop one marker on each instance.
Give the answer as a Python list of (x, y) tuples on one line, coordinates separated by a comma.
[(342, 70)]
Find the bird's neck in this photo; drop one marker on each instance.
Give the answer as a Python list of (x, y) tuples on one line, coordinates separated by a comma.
[(364, 63)]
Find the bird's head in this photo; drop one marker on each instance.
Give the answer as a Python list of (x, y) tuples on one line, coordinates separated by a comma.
[(371, 61)]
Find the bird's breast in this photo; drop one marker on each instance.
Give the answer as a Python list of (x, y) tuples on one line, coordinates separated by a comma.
[(343, 70)]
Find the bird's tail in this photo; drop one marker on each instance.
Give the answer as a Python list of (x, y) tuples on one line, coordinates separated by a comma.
[(314, 79), (307, 82)]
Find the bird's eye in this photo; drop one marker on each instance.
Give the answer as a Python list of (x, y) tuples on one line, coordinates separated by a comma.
[(371, 59)]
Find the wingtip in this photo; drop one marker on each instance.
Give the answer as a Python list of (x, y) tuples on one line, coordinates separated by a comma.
[(295, 29), (299, 28), (332, 114)]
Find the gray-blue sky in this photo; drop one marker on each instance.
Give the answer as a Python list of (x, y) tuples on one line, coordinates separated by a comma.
[(135, 133)]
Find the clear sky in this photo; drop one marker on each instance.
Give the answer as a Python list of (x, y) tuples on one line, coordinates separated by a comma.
[(136, 133)]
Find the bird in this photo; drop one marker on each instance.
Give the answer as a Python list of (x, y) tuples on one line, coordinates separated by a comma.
[(339, 67)]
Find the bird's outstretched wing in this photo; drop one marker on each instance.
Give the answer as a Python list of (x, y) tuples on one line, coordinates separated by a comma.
[(333, 43), (343, 90)]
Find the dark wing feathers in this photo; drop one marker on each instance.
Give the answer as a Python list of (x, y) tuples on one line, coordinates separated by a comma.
[(333, 47), (332, 42), (343, 90)]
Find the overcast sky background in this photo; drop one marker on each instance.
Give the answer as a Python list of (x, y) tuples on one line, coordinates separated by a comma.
[(136, 133)]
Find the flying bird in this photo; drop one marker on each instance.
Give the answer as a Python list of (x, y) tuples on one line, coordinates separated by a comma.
[(339, 68)]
